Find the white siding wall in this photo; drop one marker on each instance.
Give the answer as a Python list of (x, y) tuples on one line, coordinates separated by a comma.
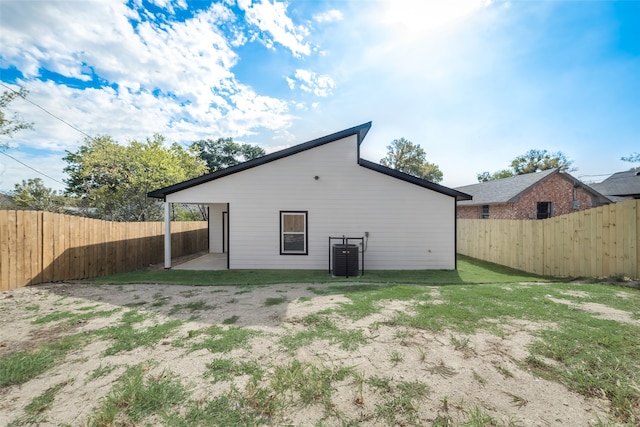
[(215, 227), (410, 227)]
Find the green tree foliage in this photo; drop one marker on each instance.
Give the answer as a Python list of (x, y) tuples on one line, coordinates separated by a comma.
[(33, 194), (115, 179), (540, 160), (410, 158), (224, 152), (13, 124), (486, 176), (529, 162), (632, 158)]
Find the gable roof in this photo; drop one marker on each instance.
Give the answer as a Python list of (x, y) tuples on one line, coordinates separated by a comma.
[(508, 190), (620, 184), (360, 131)]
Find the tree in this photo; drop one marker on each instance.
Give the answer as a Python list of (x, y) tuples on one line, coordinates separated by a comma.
[(410, 158), (540, 160), (486, 176), (224, 152), (529, 162), (9, 126), (115, 179), (33, 194), (632, 158)]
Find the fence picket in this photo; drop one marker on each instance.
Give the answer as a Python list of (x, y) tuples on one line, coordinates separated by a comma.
[(39, 247), (596, 242)]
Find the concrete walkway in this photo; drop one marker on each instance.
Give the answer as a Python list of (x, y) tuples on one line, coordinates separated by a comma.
[(205, 262)]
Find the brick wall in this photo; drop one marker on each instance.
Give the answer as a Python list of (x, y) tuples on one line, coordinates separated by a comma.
[(556, 189)]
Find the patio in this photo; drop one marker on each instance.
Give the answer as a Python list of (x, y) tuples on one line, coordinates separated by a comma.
[(209, 261)]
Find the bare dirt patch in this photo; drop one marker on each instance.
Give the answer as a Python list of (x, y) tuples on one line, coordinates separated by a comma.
[(599, 310), (434, 377)]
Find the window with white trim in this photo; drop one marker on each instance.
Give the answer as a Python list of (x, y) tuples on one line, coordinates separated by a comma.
[(293, 232)]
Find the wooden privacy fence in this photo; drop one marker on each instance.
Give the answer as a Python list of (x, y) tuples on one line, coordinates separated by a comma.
[(38, 247), (596, 242)]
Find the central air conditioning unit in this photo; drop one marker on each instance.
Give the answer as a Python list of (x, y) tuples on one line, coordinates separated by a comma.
[(345, 260)]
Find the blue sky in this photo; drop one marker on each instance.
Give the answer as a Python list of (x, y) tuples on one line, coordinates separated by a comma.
[(474, 82)]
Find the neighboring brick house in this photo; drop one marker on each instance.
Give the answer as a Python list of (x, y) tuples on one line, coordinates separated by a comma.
[(620, 186), (536, 195)]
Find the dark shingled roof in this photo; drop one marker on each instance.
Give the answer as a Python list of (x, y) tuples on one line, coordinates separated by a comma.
[(505, 190), (622, 184), (361, 131), (508, 190)]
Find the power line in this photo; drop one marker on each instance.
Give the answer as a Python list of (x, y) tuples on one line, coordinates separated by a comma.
[(48, 112), (33, 169), (52, 115)]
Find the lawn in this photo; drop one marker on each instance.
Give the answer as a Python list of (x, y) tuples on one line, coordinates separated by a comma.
[(483, 346), (469, 271)]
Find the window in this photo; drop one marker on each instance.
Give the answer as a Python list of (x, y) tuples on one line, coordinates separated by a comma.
[(545, 210), (293, 233), (485, 212)]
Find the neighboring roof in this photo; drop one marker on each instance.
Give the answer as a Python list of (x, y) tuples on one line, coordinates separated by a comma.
[(508, 190), (360, 131), (6, 202), (620, 184)]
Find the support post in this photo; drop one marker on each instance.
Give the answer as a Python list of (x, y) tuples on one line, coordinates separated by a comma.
[(167, 235)]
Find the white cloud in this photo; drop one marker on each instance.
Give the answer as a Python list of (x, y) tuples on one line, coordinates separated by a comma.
[(169, 4), (329, 16), (308, 81), (272, 18), (291, 83), (169, 77)]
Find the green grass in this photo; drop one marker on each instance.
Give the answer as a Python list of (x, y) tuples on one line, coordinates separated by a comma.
[(231, 320), (597, 357), (319, 327), (225, 369), (470, 271), (22, 366), (34, 411), (478, 417), (101, 371), (74, 318), (398, 400), (594, 357), (126, 337), (221, 411), (136, 397), (220, 340), (191, 307), (274, 301), (303, 383), (367, 300)]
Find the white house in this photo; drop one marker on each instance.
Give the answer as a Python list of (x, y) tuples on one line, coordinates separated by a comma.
[(279, 211)]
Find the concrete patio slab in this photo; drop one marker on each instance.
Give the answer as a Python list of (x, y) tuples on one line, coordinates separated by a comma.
[(211, 261)]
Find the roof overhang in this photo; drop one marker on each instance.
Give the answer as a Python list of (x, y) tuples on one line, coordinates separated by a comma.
[(414, 180)]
